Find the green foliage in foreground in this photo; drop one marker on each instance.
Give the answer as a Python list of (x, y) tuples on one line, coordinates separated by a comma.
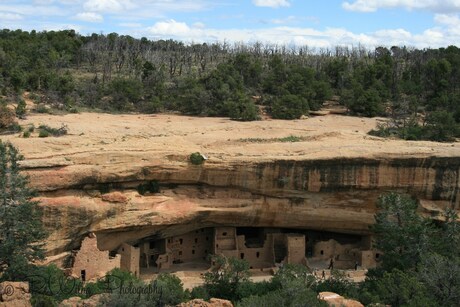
[(21, 229), (420, 258)]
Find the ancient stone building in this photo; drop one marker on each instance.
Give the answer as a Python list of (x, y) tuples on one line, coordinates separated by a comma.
[(130, 258), (91, 263), (346, 255), (190, 247), (261, 248)]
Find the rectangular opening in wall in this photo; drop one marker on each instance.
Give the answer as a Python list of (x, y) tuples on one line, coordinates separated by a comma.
[(181, 241), (257, 254), (242, 255), (113, 254), (193, 252), (83, 275), (254, 237), (196, 240), (152, 244)]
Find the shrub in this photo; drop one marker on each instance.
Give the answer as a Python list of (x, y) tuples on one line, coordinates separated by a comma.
[(53, 131), (154, 105), (199, 292), (196, 158), (6, 117), (441, 126), (21, 109), (41, 108), (289, 107), (242, 109), (151, 187), (125, 92), (43, 134), (36, 98), (290, 139), (26, 134)]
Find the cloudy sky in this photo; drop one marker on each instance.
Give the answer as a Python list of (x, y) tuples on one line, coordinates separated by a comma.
[(418, 23)]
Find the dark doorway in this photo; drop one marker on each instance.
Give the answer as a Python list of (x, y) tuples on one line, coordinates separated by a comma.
[(254, 237), (83, 275)]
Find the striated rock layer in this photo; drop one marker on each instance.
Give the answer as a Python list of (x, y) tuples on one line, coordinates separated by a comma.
[(329, 181)]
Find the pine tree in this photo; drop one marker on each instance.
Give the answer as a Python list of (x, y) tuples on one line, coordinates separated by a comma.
[(21, 229)]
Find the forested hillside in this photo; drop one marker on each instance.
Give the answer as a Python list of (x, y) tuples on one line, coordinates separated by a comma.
[(418, 89)]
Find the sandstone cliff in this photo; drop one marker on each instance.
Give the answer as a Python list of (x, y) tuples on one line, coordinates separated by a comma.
[(330, 180)]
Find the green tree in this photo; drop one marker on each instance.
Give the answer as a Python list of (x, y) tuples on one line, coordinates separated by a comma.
[(225, 277), (21, 108), (291, 286), (6, 117), (21, 229), (441, 277), (289, 107), (170, 289), (401, 234), (441, 126), (242, 109), (397, 288), (125, 92)]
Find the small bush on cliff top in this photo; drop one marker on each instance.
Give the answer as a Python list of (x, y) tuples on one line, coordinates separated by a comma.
[(196, 158)]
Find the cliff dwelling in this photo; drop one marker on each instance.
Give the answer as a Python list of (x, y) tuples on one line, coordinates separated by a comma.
[(261, 247)]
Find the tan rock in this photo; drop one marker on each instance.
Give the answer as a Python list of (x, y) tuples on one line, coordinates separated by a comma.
[(328, 181), (14, 294), (214, 302), (93, 301), (115, 197), (335, 300)]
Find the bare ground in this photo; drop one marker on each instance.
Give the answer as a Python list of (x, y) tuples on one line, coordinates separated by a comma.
[(220, 138)]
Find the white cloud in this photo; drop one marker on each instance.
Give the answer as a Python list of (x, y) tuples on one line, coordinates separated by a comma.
[(108, 5), (89, 17), (271, 3), (330, 37), (10, 16), (171, 27), (446, 19), (374, 5)]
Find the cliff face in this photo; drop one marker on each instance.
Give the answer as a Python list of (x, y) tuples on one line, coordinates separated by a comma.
[(329, 181), (334, 195)]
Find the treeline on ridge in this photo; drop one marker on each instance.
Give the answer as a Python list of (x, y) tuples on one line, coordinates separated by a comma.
[(417, 89)]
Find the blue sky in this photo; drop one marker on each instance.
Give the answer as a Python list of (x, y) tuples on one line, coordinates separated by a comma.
[(417, 23)]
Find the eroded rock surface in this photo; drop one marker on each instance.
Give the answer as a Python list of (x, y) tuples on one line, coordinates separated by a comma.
[(14, 294), (330, 180), (334, 300)]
